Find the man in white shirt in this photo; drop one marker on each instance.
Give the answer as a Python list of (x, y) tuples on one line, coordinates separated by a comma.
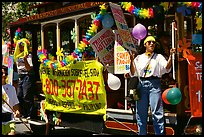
[(150, 66)]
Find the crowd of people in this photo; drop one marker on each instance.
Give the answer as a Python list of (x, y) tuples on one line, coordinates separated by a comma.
[(19, 97)]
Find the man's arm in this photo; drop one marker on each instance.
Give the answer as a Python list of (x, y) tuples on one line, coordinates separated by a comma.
[(27, 65), (17, 110)]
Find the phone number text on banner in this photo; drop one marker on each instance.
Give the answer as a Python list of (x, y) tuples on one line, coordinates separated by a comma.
[(77, 88)]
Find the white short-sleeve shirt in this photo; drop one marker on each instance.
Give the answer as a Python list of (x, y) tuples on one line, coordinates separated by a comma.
[(156, 67)]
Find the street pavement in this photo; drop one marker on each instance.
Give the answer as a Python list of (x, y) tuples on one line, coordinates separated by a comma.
[(21, 129)]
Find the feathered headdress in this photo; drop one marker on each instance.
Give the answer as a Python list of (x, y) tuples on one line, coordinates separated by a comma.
[(17, 54)]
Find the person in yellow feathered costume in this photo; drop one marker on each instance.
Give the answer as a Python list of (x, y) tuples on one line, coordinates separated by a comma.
[(26, 85)]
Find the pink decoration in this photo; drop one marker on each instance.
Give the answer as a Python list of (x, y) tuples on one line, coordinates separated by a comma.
[(97, 22)]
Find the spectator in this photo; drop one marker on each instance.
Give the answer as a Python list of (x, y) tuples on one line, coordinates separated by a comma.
[(8, 95)]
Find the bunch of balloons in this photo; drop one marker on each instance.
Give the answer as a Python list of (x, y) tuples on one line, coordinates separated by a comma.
[(172, 96)]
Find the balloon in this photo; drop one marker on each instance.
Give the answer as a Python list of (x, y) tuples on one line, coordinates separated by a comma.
[(4, 49), (174, 96), (113, 82), (107, 21), (164, 96), (139, 31)]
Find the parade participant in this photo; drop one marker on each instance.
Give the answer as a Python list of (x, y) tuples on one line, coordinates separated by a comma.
[(8, 95), (150, 66), (26, 85)]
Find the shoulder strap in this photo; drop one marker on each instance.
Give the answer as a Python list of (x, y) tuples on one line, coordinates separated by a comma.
[(148, 65)]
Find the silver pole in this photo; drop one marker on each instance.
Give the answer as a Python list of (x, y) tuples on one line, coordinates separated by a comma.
[(173, 46)]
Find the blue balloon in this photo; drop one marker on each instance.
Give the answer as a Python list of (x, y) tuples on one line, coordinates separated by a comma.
[(107, 21)]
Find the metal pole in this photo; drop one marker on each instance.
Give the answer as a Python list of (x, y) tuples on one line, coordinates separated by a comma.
[(125, 93), (173, 46), (122, 124)]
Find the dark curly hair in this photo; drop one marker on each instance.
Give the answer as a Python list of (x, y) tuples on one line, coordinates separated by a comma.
[(5, 69)]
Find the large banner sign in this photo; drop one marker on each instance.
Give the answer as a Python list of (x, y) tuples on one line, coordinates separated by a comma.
[(103, 44), (122, 26), (77, 88), (195, 85)]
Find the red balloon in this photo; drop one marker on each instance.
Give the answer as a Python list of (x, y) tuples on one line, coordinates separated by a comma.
[(164, 96)]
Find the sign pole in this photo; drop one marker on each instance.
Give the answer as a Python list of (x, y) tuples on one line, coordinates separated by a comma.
[(173, 46)]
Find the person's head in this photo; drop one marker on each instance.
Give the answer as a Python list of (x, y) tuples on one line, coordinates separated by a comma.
[(21, 47), (149, 44), (4, 74)]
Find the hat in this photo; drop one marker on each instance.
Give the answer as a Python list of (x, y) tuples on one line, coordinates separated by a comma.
[(149, 38)]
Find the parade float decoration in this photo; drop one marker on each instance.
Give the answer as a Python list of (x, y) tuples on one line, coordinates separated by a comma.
[(172, 96), (184, 48), (92, 101), (127, 6), (139, 32), (71, 85)]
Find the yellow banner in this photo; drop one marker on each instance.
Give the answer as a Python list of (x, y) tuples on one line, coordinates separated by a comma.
[(76, 88)]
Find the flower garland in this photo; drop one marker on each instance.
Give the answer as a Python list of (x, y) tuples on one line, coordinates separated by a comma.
[(149, 12), (187, 53), (17, 36), (141, 13)]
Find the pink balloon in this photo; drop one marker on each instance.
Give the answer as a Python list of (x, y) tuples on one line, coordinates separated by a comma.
[(139, 31)]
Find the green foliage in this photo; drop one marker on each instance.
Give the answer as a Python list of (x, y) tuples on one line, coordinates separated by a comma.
[(12, 11)]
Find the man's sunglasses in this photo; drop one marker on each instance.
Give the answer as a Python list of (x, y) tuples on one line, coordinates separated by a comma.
[(149, 42)]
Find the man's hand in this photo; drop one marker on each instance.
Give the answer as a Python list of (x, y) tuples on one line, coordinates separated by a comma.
[(17, 114), (25, 57), (126, 75)]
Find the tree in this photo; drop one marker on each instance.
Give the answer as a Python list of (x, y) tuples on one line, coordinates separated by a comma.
[(12, 11)]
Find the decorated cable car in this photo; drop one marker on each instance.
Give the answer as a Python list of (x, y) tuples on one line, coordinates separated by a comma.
[(86, 94)]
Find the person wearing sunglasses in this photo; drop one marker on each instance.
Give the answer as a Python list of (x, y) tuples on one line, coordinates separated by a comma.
[(150, 66)]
